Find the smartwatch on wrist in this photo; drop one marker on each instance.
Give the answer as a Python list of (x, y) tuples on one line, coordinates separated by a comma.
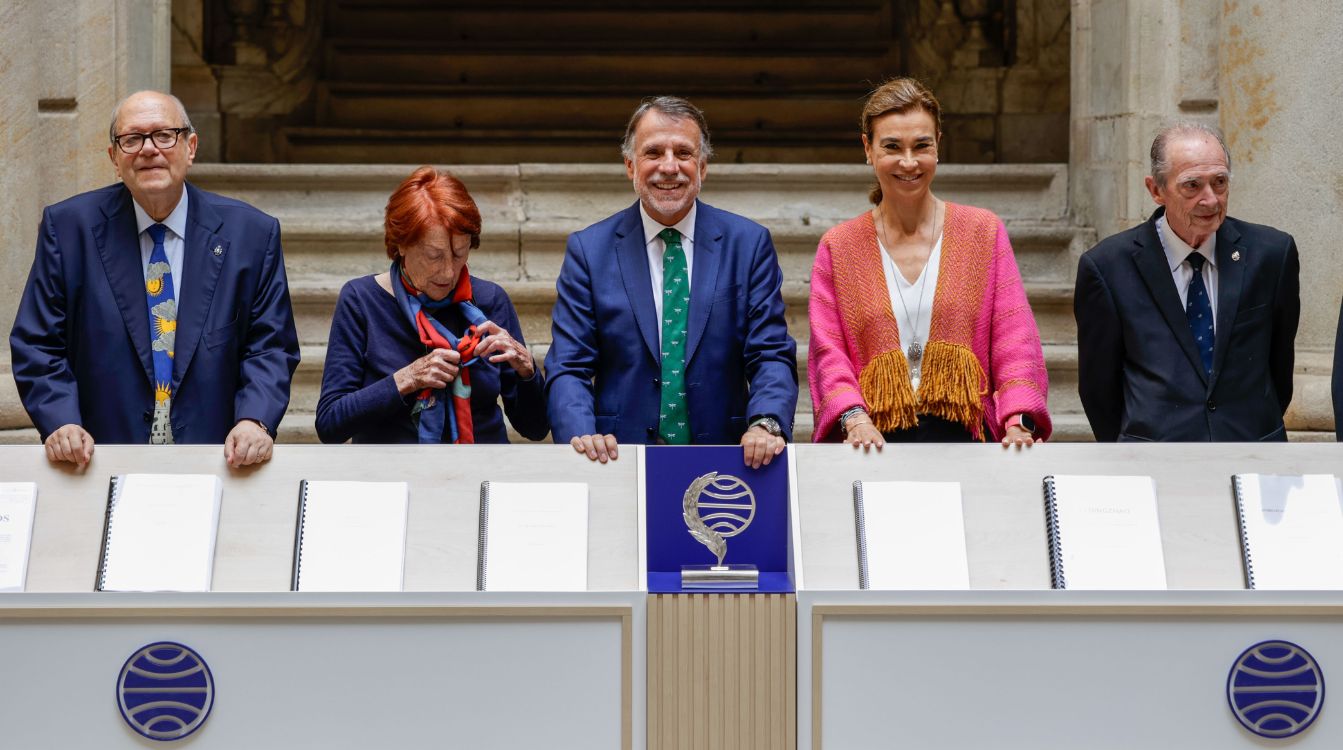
[(1024, 421)]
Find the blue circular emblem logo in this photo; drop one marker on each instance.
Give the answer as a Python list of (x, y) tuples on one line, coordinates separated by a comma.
[(165, 691), (1275, 689)]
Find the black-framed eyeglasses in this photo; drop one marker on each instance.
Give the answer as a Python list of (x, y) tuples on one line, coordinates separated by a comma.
[(131, 143)]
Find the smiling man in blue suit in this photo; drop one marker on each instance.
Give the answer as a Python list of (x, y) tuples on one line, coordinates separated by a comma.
[(669, 321), (155, 312)]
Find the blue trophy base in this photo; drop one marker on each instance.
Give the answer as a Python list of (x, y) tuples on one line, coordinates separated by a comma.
[(720, 577)]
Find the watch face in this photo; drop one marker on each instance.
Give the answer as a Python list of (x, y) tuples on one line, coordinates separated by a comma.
[(1027, 423)]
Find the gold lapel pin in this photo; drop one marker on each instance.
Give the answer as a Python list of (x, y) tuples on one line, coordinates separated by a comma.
[(1235, 255), (220, 251)]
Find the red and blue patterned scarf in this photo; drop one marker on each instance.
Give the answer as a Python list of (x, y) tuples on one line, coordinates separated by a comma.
[(429, 405)]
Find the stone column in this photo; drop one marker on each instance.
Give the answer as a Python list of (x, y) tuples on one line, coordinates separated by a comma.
[(1281, 113), (1136, 65), (64, 64)]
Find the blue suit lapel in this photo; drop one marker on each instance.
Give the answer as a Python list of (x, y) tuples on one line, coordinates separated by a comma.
[(631, 253), (1150, 258), (118, 242), (704, 280), (199, 278), (1230, 280)]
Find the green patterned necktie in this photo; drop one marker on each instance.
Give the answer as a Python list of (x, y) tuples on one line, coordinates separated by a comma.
[(674, 418)]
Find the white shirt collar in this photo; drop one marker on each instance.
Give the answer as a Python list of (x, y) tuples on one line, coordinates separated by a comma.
[(176, 221), (1177, 249), (686, 226)]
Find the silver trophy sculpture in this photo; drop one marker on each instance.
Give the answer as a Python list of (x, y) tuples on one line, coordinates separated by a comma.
[(731, 506)]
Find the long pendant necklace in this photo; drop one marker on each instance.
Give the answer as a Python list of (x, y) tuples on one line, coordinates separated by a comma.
[(914, 352)]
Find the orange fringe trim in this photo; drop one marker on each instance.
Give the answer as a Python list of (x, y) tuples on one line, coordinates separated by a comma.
[(887, 391), (952, 387)]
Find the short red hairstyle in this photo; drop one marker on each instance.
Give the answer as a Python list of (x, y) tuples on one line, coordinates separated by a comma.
[(426, 198)]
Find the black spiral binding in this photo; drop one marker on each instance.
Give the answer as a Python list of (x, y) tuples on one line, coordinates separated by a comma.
[(860, 520), (298, 533), (480, 543), (113, 492), (1056, 578), (1236, 491)]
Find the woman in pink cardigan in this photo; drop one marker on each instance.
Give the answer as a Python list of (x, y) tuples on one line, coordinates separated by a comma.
[(920, 328)]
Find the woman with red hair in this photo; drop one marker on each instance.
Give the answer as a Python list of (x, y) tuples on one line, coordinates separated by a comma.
[(424, 352)]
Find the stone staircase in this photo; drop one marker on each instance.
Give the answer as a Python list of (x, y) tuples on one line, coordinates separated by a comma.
[(410, 80), (332, 221)]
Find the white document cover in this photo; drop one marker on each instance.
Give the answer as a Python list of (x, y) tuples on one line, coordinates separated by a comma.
[(911, 535), (160, 533), (533, 536), (1104, 532), (18, 506), (352, 536), (1291, 530)]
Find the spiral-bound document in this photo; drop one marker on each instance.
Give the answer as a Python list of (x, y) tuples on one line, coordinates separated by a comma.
[(159, 533), (351, 536), (18, 506), (533, 536), (1291, 530), (1104, 532), (911, 535)]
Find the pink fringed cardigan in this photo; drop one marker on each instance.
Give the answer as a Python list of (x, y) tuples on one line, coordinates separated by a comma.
[(983, 362)]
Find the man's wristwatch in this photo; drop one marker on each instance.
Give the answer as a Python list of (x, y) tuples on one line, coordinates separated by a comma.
[(770, 424), (1024, 421)]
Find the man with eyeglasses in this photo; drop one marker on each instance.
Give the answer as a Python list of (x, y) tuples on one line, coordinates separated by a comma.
[(155, 312), (1186, 324)]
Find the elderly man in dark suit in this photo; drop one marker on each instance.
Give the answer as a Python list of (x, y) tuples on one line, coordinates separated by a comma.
[(1186, 323), (669, 323), (155, 312)]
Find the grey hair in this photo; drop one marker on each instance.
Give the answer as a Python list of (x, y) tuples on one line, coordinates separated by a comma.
[(1160, 162), (116, 112), (676, 108)]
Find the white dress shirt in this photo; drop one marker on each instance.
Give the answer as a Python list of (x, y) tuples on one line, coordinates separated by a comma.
[(656, 248), (1177, 251), (174, 241)]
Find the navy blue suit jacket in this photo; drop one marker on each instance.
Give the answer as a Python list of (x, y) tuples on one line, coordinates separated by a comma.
[(1139, 372), (80, 342), (604, 366)]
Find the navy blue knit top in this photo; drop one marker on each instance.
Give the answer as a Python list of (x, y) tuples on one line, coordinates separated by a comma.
[(371, 339)]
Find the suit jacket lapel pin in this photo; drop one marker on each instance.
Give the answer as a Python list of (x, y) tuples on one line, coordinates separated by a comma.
[(219, 250), (1235, 254)]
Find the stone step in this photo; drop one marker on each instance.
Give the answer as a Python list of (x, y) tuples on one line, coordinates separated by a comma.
[(535, 250), (371, 60), (342, 145), (300, 427), (575, 195), (565, 27), (526, 115), (314, 300), (1061, 361)]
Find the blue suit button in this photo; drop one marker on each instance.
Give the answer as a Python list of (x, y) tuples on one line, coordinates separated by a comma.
[(1212, 405)]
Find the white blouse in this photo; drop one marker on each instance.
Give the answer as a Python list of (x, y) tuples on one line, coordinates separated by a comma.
[(915, 325)]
